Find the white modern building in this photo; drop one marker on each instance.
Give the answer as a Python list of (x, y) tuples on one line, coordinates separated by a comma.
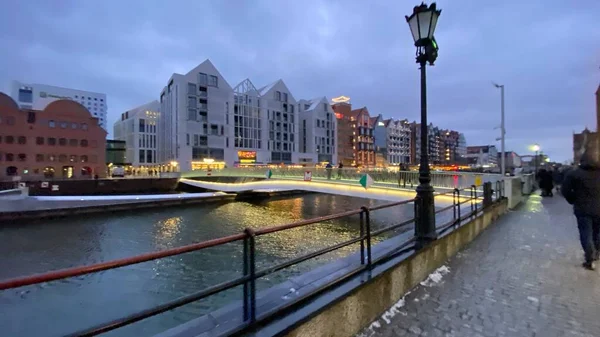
[(38, 96), (282, 117), (318, 129), (138, 127), (194, 125), (393, 140), (482, 156)]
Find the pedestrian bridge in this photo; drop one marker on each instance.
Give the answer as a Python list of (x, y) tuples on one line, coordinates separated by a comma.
[(331, 187), (390, 186)]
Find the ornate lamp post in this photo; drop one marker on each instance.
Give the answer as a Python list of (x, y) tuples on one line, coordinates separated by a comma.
[(422, 24)]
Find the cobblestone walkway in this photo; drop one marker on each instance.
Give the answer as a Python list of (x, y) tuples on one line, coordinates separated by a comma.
[(521, 277)]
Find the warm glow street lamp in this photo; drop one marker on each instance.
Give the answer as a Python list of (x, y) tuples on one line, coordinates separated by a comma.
[(422, 24), (536, 149)]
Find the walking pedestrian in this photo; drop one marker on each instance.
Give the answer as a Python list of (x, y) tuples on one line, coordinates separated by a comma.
[(581, 188), (340, 167)]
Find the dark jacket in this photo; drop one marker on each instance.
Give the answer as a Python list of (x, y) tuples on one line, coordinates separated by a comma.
[(581, 187)]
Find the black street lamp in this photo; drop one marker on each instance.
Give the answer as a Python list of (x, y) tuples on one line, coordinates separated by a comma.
[(422, 24)]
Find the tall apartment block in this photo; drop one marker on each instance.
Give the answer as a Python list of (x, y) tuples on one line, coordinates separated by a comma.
[(345, 131), (33, 96), (138, 127), (355, 131), (393, 140), (207, 123), (318, 127), (194, 109)]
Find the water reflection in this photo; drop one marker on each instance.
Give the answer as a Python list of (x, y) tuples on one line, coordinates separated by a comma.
[(65, 306)]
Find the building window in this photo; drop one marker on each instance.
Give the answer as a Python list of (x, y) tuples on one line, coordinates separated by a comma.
[(191, 89), (39, 140), (51, 157), (31, 117), (9, 157), (191, 114), (63, 125), (84, 159), (83, 143), (192, 102), (22, 140), (73, 125), (142, 156), (72, 158), (73, 142), (84, 126), (52, 141), (26, 95), (202, 79), (22, 157), (39, 157), (62, 141), (213, 81), (62, 158), (142, 125), (9, 140)]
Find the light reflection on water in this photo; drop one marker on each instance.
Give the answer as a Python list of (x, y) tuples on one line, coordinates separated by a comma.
[(65, 306)]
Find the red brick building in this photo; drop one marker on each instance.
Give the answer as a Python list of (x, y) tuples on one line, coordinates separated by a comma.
[(355, 138), (62, 141), (345, 138)]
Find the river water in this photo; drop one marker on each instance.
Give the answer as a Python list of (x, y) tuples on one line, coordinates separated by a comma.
[(60, 307)]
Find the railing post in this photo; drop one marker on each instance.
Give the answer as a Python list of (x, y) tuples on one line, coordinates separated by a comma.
[(362, 236), (249, 271), (487, 194), (456, 203), (367, 232)]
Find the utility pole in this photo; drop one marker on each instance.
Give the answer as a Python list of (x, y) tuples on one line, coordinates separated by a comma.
[(502, 130)]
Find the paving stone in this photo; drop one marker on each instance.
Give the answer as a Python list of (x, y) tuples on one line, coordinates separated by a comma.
[(521, 277)]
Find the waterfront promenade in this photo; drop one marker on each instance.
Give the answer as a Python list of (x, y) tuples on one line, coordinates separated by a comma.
[(521, 277)]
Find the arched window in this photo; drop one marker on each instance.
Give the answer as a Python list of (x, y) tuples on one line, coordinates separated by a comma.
[(11, 171)]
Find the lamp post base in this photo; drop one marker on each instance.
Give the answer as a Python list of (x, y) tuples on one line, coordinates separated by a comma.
[(425, 230)]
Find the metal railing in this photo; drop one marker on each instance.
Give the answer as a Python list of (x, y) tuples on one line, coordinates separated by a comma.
[(467, 203), (403, 179)]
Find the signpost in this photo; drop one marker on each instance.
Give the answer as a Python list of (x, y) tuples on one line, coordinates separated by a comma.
[(307, 175)]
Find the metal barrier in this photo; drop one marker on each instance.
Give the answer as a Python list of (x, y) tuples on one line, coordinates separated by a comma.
[(403, 179), (250, 274)]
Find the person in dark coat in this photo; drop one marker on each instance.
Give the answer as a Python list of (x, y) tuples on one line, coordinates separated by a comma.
[(545, 181), (581, 188)]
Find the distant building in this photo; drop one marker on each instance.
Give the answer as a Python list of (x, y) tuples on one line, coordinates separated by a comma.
[(116, 153), (38, 96), (318, 128), (364, 141), (512, 160), (342, 109), (584, 141), (61, 141), (138, 128), (486, 155), (194, 110), (393, 140), (434, 142)]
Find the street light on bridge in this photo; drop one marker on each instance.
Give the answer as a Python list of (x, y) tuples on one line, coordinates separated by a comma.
[(422, 23), (536, 149)]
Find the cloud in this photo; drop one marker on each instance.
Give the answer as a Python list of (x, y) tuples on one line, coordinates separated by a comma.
[(546, 54)]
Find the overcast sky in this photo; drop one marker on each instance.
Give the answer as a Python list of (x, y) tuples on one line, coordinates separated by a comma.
[(546, 53)]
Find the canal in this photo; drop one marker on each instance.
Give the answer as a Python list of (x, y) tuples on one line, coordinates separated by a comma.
[(61, 307)]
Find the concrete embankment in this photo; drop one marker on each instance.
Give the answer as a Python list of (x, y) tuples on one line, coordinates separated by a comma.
[(41, 207)]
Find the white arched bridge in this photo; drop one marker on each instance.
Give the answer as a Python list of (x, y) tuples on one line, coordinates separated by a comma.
[(384, 185)]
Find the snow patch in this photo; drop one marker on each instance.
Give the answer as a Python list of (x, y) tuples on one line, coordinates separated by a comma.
[(533, 299), (394, 310), (435, 277)]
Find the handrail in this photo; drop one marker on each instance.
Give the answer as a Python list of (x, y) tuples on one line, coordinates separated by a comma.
[(250, 275), (78, 271)]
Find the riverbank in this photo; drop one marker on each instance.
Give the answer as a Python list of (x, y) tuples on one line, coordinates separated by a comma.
[(43, 207)]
